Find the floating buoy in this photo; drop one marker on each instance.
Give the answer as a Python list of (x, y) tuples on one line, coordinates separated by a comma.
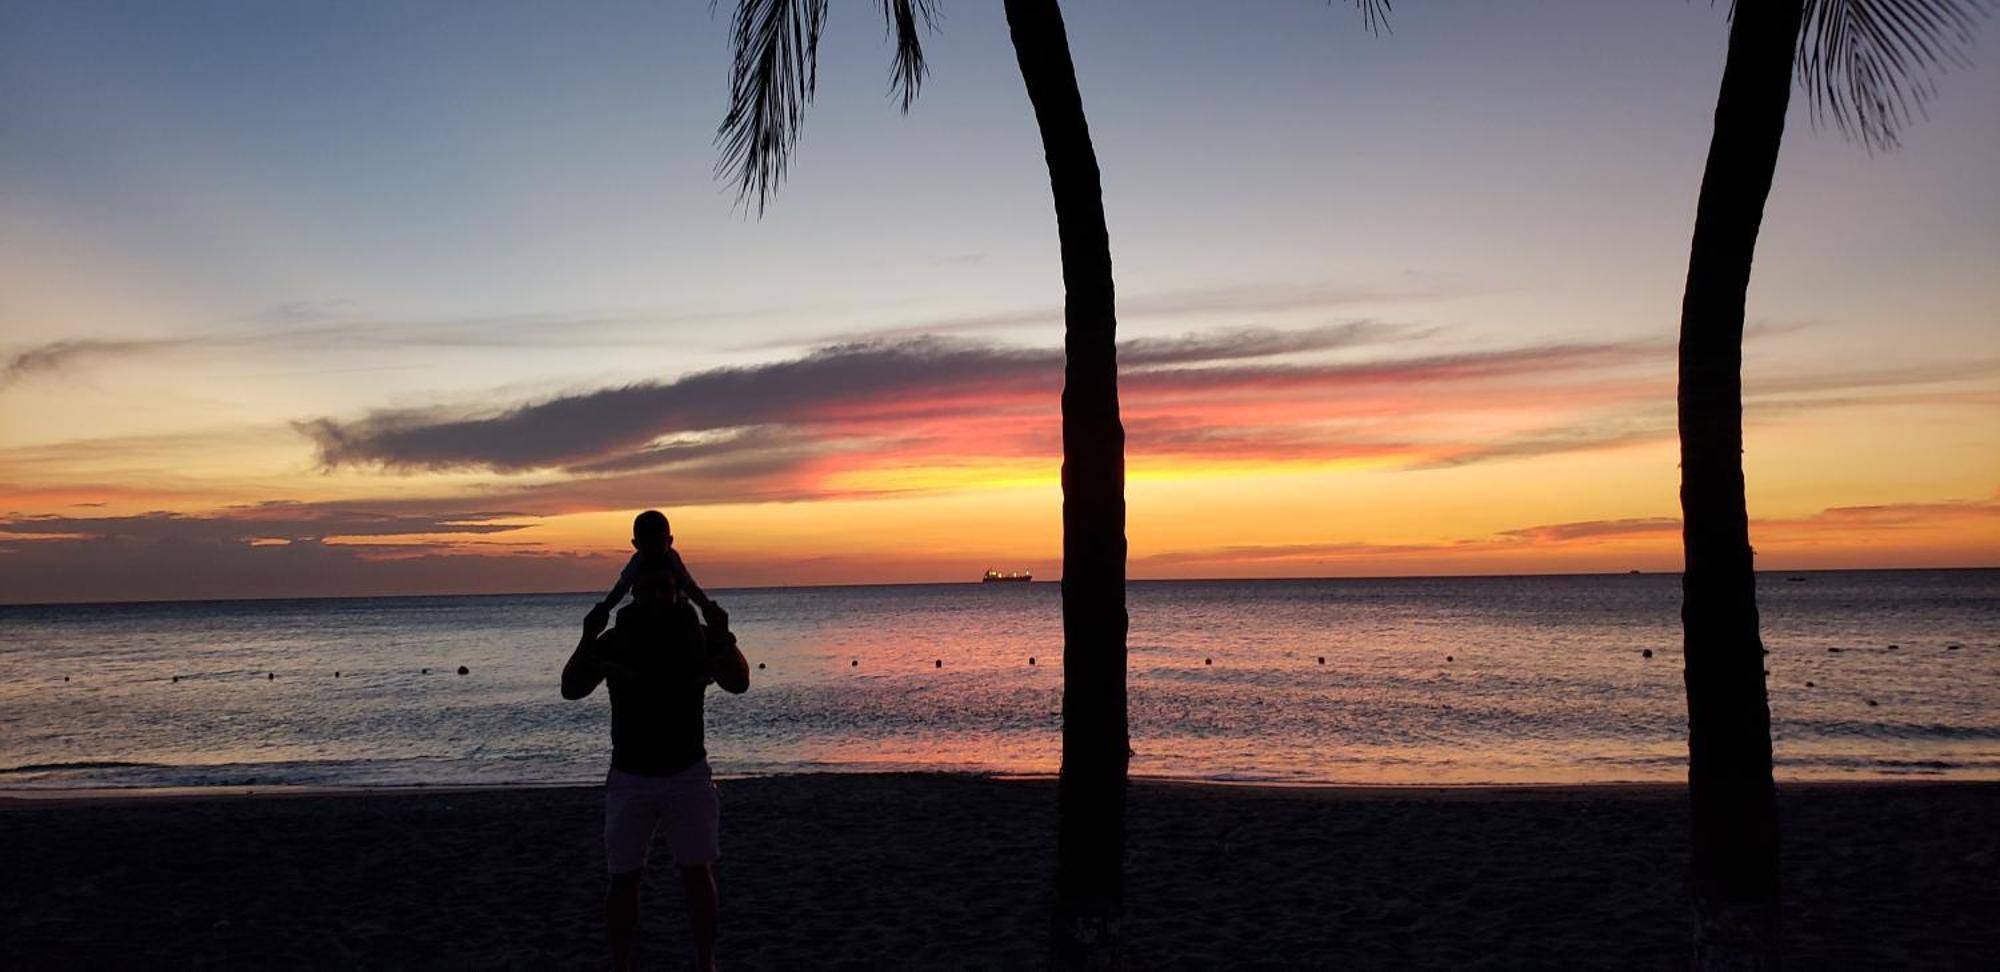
[(462, 670), (855, 663), (1449, 658), (760, 666), (1895, 647), (1809, 685), (940, 663), (65, 678), (1208, 661), (177, 678), (427, 671), (336, 674), (1031, 659), (1831, 650), (1648, 653), (270, 676), (1322, 659), (1871, 703)]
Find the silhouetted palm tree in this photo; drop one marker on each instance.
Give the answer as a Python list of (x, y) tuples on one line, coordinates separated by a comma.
[(1863, 63), (772, 79)]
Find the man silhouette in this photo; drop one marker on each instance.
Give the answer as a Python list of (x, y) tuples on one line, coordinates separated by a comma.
[(657, 663)]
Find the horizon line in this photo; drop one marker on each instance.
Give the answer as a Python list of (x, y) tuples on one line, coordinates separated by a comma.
[(975, 583)]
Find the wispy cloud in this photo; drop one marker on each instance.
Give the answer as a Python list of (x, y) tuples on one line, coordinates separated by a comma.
[(58, 355), (1901, 515), (990, 399), (309, 328), (1241, 301), (1645, 526), (262, 522), (1861, 379), (1601, 430), (340, 325), (1871, 518), (1833, 531)]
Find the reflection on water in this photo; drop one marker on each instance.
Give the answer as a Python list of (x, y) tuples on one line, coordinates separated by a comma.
[(1424, 680)]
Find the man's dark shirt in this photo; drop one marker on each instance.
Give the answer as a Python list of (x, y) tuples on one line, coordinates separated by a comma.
[(656, 715)]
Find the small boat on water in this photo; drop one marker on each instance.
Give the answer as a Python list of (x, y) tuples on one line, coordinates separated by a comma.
[(1006, 576)]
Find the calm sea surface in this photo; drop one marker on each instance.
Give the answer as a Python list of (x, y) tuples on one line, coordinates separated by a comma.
[(1532, 679)]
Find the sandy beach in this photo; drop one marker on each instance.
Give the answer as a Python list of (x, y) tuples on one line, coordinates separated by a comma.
[(934, 871)]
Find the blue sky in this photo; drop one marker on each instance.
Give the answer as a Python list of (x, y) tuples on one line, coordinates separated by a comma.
[(503, 158)]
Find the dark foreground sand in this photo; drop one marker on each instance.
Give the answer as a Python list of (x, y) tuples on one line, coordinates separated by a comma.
[(951, 872)]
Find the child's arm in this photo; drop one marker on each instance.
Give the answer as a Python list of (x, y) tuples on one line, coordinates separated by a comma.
[(683, 578), (618, 592), (623, 587)]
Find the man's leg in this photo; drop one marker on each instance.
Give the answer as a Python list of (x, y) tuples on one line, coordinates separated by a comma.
[(699, 880), (630, 814), (692, 821), (621, 917)]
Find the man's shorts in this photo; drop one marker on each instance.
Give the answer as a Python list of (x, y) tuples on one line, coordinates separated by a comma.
[(636, 805)]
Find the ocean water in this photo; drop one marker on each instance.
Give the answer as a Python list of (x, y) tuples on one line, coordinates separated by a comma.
[(1440, 680)]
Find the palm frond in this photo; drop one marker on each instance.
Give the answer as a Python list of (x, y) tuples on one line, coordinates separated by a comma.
[(771, 80), (908, 70), (1374, 14), (1869, 65)]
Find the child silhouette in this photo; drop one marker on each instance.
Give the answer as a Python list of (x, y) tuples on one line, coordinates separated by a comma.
[(652, 549)]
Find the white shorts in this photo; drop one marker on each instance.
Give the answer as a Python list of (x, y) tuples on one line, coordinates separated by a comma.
[(635, 805)]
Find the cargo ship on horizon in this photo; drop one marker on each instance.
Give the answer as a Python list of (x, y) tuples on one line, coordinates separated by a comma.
[(1007, 576)]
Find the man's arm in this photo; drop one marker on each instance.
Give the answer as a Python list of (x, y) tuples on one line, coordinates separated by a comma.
[(726, 663), (584, 670)]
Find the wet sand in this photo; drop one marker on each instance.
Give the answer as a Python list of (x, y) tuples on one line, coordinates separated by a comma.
[(933, 871)]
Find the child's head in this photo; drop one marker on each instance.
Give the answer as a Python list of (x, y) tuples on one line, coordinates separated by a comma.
[(650, 533)]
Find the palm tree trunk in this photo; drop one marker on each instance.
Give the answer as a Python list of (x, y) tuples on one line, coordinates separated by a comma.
[(1735, 827), (1090, 839)]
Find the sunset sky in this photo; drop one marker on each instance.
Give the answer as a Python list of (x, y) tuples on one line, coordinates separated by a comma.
[(376, 297)]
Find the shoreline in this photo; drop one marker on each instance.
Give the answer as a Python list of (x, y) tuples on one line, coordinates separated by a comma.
[(60, 796)]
